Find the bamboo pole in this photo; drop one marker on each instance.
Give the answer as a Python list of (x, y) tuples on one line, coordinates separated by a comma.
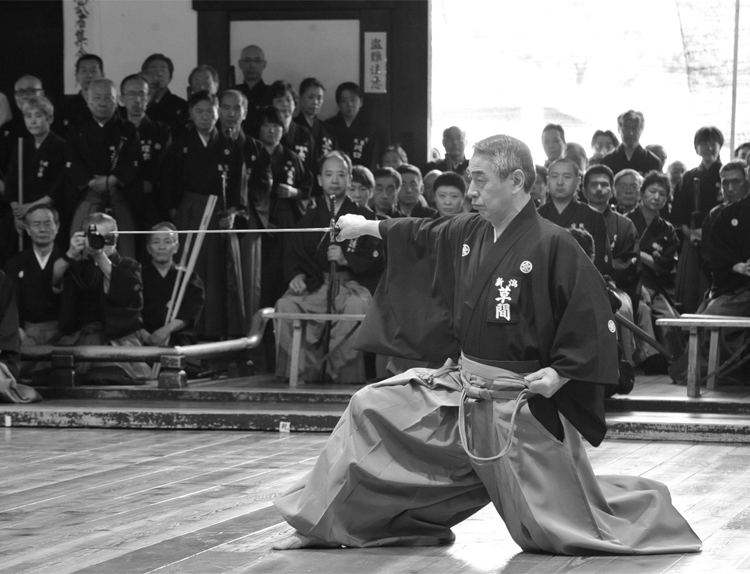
[(734, 74)]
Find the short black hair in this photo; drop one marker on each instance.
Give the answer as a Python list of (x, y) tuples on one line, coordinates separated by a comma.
[(350, 86), (308, 83), (541, 173), (659, 178), (450, 179), (270, 115), (585, 240), (202, 96), (742, 146), (606, 133), (205, 68), (159, 58), (131, 78), (556, 127), (48, 207), (708, 134), (90, 57), (409, 168), (280, 88), (363, 176), (388, 172), (598, 169)]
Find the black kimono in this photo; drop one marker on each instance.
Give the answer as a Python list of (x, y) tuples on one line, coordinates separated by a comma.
[(157, 293), (360, 140), (43, 171), (170, 110)]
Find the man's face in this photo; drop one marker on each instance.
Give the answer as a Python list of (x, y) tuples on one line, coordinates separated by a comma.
[(626, 192), (105, 228), (252, 63), (553, 144), (102, 102), (270, 134), (734, 184), (334, 177), (427, 190), (654, 197), (88, 70), (563, 180), (598, 191), (359, 194), (41, 227), (743, 152), (391, 158), (631, 129), (158, 71), (285, 105), (349, 104), (384, 194), (203, 80), (36, 122), (27, 88), (204, 115), (162, 246), (449, 200), (709, 151), (454, 143), (411, 188), (311, 102), (231, 112), (135, 97), (603, 145), (491, 196)]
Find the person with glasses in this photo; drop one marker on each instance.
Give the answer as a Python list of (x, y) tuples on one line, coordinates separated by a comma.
[(252, 62), (152, 138), (43, 163), (26, 87), (627, 190), (31, 273)]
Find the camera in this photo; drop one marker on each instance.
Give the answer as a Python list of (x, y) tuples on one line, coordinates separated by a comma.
[(97, 240)]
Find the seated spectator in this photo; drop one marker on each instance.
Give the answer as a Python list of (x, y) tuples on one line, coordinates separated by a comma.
[(31, 272), (629, 154), (201, 163), (742, 151), (152, 138), (409, 200), (159, 277), (627, 190), (450, 190), (296, 136), (311, 94), (163, 105), (553, 142), (566, 211), (394, 156), (102, 156), (361, 186), (308, 268), (658, 252), (26, 88), (387, 184), (454, 142), (43, 162), (5, 112), (102, 299), (623, 241), (204, 77), (10, 390), (354, 135), (675, 171), (539, 189), (429, 189), (698, 193), (252, 62), (75, 109), (730, 292), (602, 143), (659, 151)]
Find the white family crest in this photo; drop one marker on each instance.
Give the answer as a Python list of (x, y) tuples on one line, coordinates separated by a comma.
[(465, 251), (611, 326), (526, 267)]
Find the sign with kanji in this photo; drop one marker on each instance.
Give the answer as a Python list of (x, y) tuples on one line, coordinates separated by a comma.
[(376, 60)]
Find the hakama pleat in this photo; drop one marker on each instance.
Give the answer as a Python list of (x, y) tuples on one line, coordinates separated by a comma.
[(394, 472)]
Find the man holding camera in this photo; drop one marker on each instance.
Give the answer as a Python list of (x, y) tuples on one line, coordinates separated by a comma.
[(102, 299)]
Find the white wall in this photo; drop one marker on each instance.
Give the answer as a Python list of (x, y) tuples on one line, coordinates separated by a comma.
[(126, 32)]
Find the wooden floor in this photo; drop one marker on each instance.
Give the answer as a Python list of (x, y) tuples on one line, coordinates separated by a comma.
[(130, 501)]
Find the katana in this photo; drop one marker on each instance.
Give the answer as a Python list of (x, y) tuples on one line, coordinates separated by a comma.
[(335, 229)]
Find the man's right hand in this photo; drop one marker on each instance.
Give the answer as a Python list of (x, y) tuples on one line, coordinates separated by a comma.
[(298, 285), (352, 226), (77, 243)]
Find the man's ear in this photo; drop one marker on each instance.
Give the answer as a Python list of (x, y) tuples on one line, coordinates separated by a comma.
[(320, 180), (519, 179)]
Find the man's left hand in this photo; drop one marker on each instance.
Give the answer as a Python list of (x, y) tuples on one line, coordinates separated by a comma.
[(545, 382), (335, 253)]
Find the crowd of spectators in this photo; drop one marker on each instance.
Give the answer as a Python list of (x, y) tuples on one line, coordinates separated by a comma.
[(130, 155)]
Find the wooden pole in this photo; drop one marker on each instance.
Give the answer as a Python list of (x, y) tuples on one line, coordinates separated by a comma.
[(734, 74), (20, 185)]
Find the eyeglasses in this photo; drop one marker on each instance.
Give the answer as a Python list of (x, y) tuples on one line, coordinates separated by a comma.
[(627, 187), (28, 92), (731, 182), (252, 60)]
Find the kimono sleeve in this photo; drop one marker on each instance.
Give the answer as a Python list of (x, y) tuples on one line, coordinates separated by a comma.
[(77, 174), (172, 169), (123, 302), (10, 342), (411, 315)]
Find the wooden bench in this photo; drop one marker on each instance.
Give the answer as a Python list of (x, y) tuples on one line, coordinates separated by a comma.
[(299, 324), (712, 322)]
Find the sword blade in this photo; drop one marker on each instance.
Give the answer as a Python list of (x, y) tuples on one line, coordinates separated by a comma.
[(219, 231)]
